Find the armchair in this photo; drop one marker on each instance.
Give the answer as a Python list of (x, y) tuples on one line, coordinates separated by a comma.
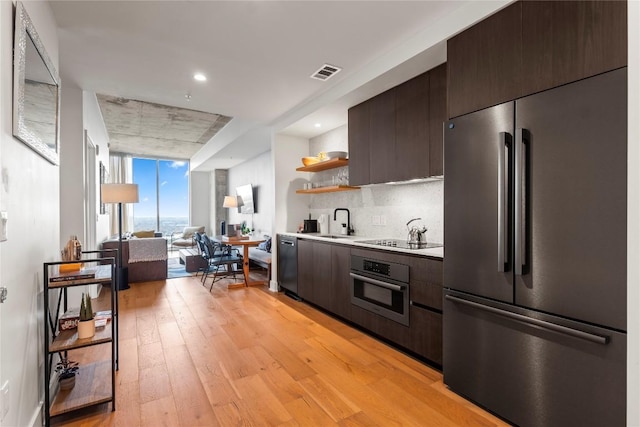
[(184, 238)]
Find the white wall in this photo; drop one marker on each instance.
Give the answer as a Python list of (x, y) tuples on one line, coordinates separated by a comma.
[(290, 208), (633, 254), (259, 173), (71, 162), (94, 124), (200, 200), (390, 206), (30, 193)]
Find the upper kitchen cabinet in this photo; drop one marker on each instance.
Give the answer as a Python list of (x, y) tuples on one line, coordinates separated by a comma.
[(567, 41), (484, 63), (359, 146), (412, 129), (437, 117), (382, 139), (397, 135), (532, 46)]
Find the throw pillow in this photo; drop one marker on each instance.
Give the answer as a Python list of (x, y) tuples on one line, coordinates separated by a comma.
[(144, 233)]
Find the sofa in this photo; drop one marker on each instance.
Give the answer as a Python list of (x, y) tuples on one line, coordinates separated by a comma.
[(145, 258)]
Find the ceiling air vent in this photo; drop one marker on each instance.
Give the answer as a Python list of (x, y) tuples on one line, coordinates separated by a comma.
[(325, 72)]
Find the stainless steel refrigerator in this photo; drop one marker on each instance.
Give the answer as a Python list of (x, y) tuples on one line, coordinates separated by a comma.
[(535, 255)]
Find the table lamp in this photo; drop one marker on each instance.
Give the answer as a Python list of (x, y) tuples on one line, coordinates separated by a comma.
[(120, 193), (230, 202)]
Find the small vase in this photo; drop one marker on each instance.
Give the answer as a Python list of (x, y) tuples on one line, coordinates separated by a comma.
[(67, 383), (86, 329)]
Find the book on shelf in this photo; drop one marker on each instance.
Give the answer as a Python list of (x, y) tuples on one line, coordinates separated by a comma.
[(85, 273)]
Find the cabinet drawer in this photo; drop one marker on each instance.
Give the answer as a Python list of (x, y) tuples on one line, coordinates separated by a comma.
[(426, 334)]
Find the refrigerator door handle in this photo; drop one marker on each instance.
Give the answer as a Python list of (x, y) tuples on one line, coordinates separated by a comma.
[(520, 173), (598, 339), (503, 157)]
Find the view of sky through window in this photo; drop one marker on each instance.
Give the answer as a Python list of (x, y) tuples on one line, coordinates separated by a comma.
[(163, 183)]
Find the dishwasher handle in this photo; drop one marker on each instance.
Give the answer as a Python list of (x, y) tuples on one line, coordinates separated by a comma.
[(288, 242)]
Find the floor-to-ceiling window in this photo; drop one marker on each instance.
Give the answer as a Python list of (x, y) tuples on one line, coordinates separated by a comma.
[(163, 187)]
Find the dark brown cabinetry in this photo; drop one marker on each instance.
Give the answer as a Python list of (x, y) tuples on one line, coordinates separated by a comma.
[(391, 135), (426, 312), (533, 46), (437, 117), (382, 116), (359, 145), (412, 128), (567, 41), (424, 334), (305, 269), (340, 281), (323, 277)]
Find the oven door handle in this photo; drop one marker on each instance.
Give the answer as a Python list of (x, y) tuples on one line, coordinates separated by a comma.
[(377, 282)]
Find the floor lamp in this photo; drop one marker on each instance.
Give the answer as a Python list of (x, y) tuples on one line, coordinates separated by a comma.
[(120, 193)]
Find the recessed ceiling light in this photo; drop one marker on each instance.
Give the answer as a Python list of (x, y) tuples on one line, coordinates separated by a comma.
[(200, 77), (318, 125)]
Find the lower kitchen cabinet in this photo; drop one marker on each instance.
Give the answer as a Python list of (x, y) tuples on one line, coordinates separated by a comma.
[(426, 334), (324, 281), (340, 280), (305, 269), (323, 276)]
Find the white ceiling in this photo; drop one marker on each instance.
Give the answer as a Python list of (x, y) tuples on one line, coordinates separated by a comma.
[(257, 55)]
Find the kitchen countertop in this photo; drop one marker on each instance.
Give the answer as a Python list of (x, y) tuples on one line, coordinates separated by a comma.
[(353, 241)]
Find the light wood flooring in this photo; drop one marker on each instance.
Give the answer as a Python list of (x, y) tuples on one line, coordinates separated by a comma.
[(249, 357)]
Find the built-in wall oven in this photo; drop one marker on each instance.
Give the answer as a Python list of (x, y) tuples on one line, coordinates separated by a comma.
[(381, 287)]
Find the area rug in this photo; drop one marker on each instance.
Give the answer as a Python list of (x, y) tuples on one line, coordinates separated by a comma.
[(175, 269)]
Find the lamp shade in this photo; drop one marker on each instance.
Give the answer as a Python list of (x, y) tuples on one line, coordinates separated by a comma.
[(230, 202), (119, 193)]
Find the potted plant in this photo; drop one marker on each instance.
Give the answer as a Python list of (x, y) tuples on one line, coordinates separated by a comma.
[(66, 370), (86, 324)]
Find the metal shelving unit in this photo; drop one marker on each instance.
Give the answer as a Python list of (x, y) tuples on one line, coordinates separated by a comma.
[(95, 382)]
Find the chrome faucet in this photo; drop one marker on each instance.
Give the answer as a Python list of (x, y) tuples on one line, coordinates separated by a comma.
[(349, 229)]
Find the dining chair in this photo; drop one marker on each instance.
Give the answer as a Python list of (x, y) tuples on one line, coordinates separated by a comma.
[(220, 255)]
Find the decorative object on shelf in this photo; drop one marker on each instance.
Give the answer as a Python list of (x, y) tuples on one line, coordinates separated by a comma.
[(72, 251), (86, 325), (308, 161), (337, 155), (67, 370), (120, 193)]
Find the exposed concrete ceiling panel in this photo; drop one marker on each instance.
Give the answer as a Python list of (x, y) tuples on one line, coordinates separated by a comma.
[(153, 130)]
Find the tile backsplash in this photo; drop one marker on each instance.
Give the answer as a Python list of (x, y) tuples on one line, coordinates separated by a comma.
[(387, 206), (391, 206)]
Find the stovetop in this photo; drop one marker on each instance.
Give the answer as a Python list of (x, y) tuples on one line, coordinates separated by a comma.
[(399, 243)]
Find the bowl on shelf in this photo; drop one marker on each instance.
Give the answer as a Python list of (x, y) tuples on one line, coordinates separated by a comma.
[(308, 161), (337, 154)]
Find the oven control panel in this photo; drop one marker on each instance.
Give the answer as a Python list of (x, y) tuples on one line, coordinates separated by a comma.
[(376, 267)]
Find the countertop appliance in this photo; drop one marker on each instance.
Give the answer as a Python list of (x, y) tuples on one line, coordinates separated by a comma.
[(535, 268), (398, 243), (323, 222), (381, 287), (288, 264), (310, 226)]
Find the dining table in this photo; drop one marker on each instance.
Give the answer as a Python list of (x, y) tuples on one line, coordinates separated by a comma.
[(246, 243)]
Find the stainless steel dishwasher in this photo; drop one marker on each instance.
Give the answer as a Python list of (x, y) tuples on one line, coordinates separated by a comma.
[(288, 264)]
